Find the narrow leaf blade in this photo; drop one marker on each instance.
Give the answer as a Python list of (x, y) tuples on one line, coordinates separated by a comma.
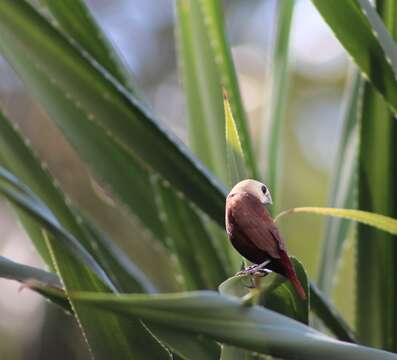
[(189, 240), (102, 102), (367, 42), (227, 320), (378, 221), (213, 19), (235, 156), (344, 184), (203, 88), (274, 121)]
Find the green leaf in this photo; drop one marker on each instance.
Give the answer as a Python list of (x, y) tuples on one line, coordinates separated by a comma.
[(22, 273), (378, 221), (77, 94), (368, 42), (274, 121), (115, 165), (236, 164), (234, 353), (16, 155), (189, 240), (72, 16), (227, 320), (274, 292), (125, 275), (76, 20), (343, 185), (202, 84), (28, 274), (89, 138), (66, 250), (212, 13), (377, 193), (187, 345), (46, 284), (325, 311), (17, 195), (100, 330), (203, 88), (319, 304)]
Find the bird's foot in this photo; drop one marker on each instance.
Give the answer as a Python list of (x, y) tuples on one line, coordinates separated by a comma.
[(247, 270), (253, 269)]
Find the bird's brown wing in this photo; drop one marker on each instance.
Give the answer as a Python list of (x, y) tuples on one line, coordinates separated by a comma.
[(255, 222)]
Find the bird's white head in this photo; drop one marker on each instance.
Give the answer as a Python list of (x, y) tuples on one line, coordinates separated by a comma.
[(255, 188)]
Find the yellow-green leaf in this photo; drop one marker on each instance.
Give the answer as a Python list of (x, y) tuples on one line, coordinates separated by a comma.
[(381, 222), (235, 156)]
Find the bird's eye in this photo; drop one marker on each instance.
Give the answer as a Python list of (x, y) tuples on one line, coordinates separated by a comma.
[(264, 189)]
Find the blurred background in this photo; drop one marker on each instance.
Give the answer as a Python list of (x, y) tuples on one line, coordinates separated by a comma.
[(143, 32)]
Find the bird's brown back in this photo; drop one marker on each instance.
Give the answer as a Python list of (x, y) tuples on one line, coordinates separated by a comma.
[(250, 227)]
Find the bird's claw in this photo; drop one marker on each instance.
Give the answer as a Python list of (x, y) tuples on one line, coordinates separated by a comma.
[(256, 270), (247, 270)]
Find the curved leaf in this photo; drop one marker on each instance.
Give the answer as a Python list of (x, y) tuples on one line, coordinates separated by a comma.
[(381, 222), (325, 311), (16, 155), (342, 194), (274, 121), (27, 38), (236, 164), (76, 20), (125, 275), (274, 292), (227, 320), (26, 274), (377, 193), (44, 217), (203, 88), (22, 273), (101, 331), (368, 42), (189, 240), (213, 19)]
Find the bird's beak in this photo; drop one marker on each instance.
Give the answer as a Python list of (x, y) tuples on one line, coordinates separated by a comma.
[(268, 199)]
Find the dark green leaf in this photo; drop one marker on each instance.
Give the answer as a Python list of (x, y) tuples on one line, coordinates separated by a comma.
[(76, 20), (227, 320), (28, 274), (275, 292), (11, 190), (46, 61), (126, 276), (212, 14), (22, 273), (189, 240), (368, 42), (75, 275), (322, 307), (236, 164), (203, 88), (342, 193), (376, 296), (272, 134)]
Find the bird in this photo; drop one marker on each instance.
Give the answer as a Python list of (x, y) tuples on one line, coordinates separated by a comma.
[(254, 234)]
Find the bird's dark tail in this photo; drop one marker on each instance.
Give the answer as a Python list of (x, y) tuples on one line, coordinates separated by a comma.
[(290, 273)]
